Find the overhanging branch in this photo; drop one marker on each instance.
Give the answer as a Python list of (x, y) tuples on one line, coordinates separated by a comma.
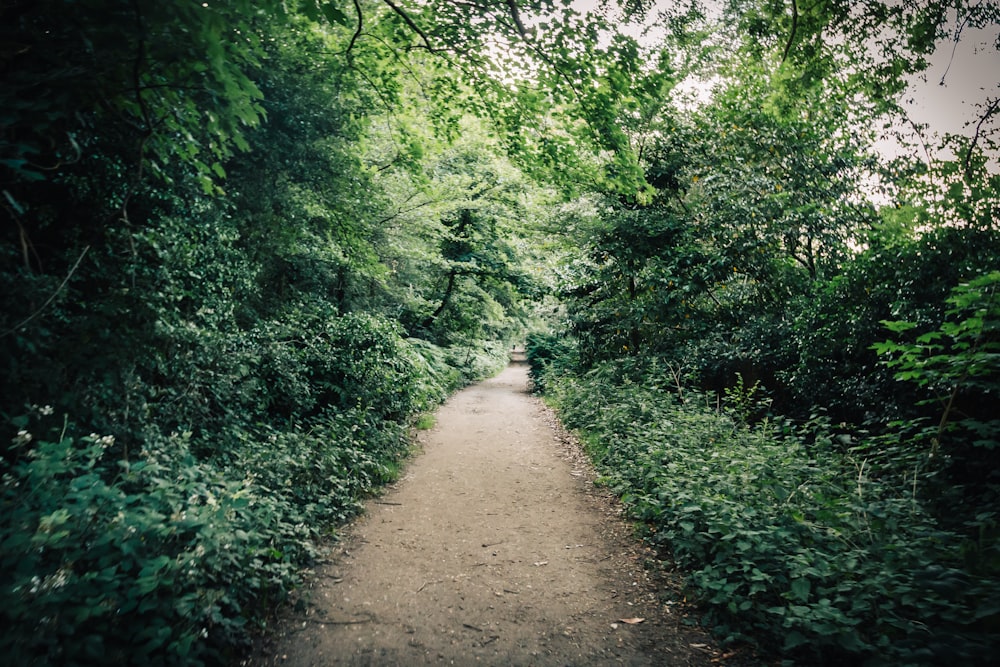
[(357, 32), (516, 15), (992, 108), (413, 26), (791, 31)]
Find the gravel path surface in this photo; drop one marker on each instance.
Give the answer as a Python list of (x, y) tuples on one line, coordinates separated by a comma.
[(496, 548)]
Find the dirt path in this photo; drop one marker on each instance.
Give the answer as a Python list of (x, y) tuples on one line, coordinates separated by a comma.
[(494, 548)]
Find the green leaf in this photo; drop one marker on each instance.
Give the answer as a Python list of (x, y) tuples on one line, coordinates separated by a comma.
[(334, 15), (310, 9), (801, 588), (898, 326)]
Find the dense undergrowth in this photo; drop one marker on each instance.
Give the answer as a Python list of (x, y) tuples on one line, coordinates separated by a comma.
[(810, 539), (163, 556), (791, 543)]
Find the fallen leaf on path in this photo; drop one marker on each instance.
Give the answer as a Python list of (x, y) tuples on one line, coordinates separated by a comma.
[(632, 621), (724, 657)]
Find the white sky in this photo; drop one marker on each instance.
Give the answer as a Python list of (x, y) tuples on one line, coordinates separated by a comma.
[(969, 77)]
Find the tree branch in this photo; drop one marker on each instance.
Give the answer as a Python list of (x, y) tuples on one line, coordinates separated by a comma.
[(357, 33), (27, 247), (991, 109), (404, 211), (137, 64), (516, 15), (413, 26), (51, 298), (956, 39), (792, 31)]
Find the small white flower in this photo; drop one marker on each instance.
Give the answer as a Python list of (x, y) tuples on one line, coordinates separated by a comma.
[(59, 579), (22, 438)]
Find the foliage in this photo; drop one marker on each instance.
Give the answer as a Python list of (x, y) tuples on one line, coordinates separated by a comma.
[(955, 368), (456, 245), (264, 236), (156, 547), (828, 340), (547, 354), (858, 525), (960, 355), (752, 213), (155, 74), (793, 543), (157, 558), (242, 353)]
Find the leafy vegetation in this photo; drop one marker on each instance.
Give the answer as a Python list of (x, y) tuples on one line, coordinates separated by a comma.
[(798, 539), (212, 314), (249, 245), (789, 379)]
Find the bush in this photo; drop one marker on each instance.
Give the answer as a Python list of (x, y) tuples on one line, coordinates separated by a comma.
[(156, 559), (456, 366), (322, 472), (156, 549), (832, 333), (548, 352), (795, 541)]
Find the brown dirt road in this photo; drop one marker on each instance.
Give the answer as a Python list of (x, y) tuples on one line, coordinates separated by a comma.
[(494, 548)]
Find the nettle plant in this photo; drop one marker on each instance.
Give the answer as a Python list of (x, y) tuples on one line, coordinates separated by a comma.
[(791, 543)]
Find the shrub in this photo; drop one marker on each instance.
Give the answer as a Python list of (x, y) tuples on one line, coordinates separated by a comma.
[(324, 471), (157, 559), (548, 352), (795, 540), (831, 334), (459, 365)]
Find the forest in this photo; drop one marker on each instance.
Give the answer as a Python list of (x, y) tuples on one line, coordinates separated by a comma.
[(247, 246)]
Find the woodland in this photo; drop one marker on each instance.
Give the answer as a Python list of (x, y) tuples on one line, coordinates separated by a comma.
[(248, 245)]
